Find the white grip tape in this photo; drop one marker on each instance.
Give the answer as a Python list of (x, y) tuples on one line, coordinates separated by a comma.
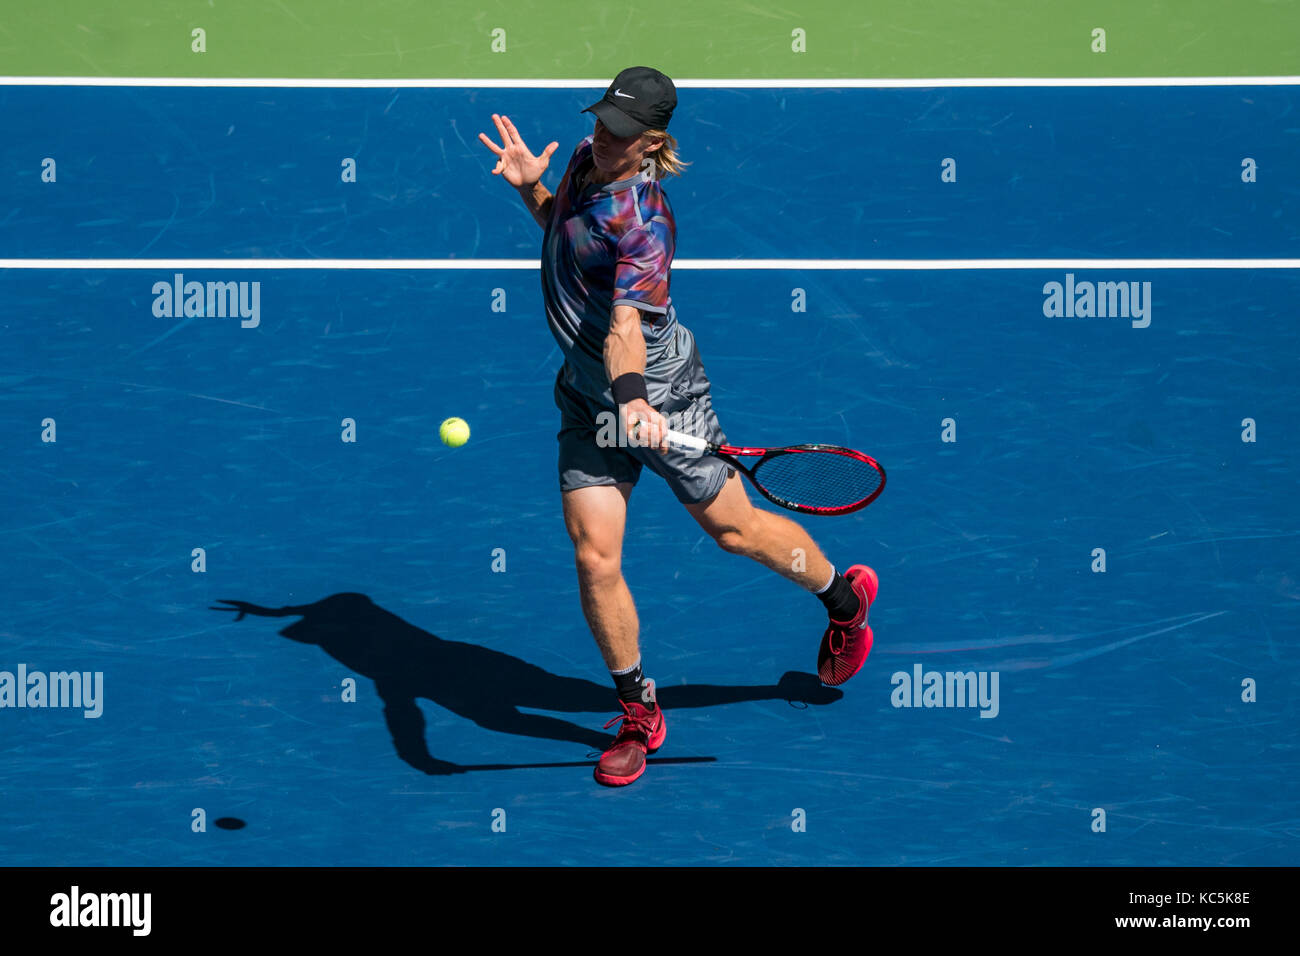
[(687, 441)]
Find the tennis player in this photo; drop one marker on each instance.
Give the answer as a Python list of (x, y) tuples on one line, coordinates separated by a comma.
[(607, 251)]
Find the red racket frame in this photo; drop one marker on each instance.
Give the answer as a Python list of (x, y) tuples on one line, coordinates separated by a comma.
[(731, 453)]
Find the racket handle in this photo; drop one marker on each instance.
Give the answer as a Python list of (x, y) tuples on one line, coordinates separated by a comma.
[(689, 442)]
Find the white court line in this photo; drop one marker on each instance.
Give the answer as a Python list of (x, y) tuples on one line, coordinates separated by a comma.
[(890, 265), (602, 83)]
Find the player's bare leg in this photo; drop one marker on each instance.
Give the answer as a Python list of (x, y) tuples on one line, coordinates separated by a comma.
[(784, 546), (595, 518), (770, 539)]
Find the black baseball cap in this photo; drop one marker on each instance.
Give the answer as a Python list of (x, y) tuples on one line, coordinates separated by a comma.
[(640, 98)]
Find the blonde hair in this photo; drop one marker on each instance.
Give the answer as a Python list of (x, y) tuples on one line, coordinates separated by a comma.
[(667, 161)]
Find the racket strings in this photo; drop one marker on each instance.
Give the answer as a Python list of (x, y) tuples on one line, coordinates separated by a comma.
[(818, 479)]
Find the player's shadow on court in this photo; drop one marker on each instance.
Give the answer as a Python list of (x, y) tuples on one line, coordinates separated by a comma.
[(481, 684)]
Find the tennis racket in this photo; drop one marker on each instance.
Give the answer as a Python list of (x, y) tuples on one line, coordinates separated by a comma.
[(812, 479)]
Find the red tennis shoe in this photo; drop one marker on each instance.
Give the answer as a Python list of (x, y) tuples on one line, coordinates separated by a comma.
[(643, 732), (846, 644)]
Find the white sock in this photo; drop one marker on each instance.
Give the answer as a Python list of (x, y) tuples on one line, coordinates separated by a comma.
[(628, 670), (826, 587)]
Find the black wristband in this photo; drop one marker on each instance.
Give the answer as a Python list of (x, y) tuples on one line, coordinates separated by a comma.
[(628, 386)]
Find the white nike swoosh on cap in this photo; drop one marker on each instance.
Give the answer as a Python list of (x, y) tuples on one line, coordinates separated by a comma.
[(621, 93)]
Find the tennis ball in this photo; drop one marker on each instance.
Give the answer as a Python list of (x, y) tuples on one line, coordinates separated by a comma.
[(454, 432)]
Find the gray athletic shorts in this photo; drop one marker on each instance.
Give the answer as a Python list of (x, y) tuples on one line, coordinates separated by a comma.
[(679, 389)]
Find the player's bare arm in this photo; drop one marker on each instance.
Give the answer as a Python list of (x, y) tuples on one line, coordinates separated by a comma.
[(520, 168), (624, 354)]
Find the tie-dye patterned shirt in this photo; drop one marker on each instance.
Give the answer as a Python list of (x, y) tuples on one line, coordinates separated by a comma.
[(606, 244)]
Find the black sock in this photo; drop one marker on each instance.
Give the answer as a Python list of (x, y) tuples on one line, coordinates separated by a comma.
[(631, 686), (842, 602)]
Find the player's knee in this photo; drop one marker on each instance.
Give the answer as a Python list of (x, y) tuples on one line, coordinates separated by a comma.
[(732, 540), (595, 564)]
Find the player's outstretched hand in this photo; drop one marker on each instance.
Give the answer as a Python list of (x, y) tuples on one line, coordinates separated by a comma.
[(514, 159)]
